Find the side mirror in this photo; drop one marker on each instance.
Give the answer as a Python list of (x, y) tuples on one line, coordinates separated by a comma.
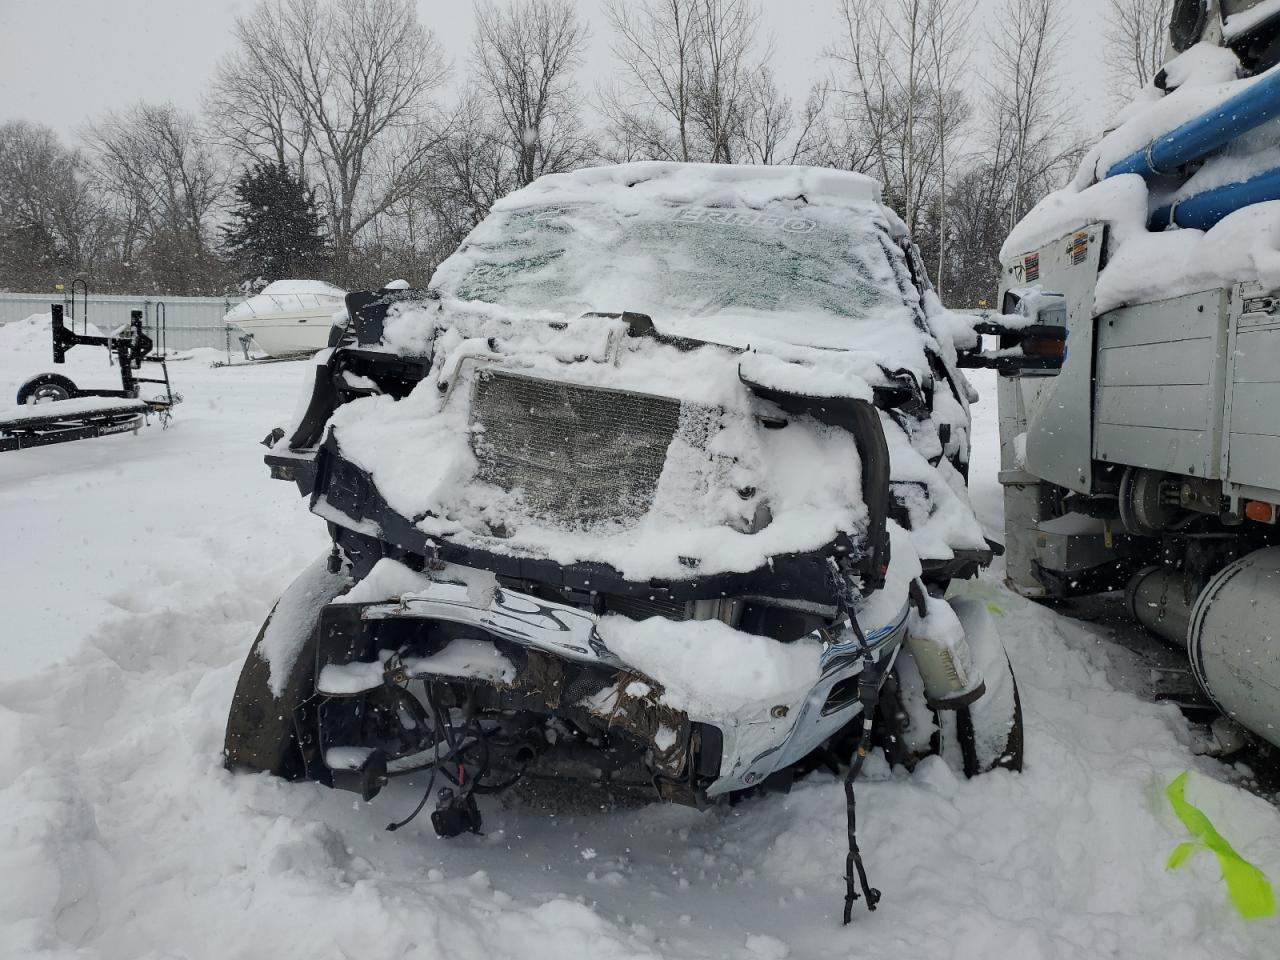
[(367, 310), (1033, 335)]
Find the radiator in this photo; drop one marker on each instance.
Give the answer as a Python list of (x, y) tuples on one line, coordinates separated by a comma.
[(577, 456)]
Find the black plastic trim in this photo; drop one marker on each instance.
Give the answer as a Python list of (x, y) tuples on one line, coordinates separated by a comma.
[(368, 309), (349, 489), (862, 420)]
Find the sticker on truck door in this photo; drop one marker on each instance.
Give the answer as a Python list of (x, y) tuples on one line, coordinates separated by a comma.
[(1026, 269), (1078, 248)]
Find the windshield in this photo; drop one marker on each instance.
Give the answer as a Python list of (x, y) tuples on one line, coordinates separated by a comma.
[(675, 261)]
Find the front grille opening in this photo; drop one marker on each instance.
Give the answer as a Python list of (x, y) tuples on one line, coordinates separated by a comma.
[(727, 610), (843, 693), (580, 456), (642, 608)]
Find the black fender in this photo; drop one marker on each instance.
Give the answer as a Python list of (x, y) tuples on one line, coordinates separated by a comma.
[(261, 734), (324, 399), (860, 418), (46, 379)]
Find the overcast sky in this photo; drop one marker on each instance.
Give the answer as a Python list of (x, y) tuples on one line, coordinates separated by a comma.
[(63, 62)]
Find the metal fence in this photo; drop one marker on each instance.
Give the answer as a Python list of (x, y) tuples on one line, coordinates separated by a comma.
[(191, 321)]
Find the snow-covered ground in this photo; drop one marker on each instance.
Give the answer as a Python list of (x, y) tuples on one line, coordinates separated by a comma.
[(135, 572)]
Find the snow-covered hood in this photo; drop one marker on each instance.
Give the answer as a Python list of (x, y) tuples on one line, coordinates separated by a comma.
[(527, 425)]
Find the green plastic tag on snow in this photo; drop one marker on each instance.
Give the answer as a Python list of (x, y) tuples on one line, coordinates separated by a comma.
[(1247, 886), (992, 608)]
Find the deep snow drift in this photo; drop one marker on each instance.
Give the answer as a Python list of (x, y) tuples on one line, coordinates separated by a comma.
[(136, 571)]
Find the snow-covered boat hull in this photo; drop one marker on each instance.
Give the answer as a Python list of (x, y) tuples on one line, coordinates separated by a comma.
[(289, 317), (288, 334)]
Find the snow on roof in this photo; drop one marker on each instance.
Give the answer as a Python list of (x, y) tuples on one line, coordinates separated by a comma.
[(1244, 245), (1119, 201), (318, 287), (1236, 24), (1200, 78), (708, 184), (1143, 265)]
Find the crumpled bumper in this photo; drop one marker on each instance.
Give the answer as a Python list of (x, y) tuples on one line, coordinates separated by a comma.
[(558, 663)]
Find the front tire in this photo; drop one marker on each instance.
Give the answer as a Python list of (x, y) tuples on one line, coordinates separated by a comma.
[(278, 676), (984, 735), (992, 725)]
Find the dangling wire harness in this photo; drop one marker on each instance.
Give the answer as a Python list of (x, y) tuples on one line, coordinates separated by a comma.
[(435, 767), (855, 874), (456, 811), (868, 694)]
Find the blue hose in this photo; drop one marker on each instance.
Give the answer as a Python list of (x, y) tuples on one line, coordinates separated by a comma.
[(1248, 109), (1202, 210)]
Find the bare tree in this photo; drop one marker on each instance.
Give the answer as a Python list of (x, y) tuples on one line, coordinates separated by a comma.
[(810, 142), (252, 107), (695, 82), (773, 131), (475, 168), (656, 42), (831, 136), (900, 71), (52, 223), (1025, 148), (339, 87), (766, 121), (1029, 115), (862, 81), (1133, 50), (947, 43), (631, 133), (722, 76), (525, 54), (166, 180)]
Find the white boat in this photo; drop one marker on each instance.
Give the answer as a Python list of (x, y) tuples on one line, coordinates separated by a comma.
[(289, 317)]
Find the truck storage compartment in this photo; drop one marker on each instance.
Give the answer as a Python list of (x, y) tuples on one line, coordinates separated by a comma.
[(1159, 391), (1252, 434)]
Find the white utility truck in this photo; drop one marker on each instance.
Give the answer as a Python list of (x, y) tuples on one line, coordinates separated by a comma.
[(1143, 452)]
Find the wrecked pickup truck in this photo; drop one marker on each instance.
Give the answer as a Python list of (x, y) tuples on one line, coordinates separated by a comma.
[(660, 482)]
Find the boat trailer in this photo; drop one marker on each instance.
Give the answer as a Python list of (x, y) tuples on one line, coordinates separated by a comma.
[(52, 409)]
